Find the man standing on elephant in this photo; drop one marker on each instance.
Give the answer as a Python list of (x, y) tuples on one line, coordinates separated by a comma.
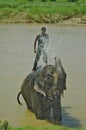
[(43, 40)]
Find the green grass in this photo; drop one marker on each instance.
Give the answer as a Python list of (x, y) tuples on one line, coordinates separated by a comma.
[(41, 11), (45, 128)]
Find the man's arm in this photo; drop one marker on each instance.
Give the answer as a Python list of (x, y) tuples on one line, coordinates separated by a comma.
[(47, 38), (35, 44)]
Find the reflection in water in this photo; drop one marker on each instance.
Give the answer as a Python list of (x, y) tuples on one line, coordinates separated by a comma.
[(68, 120), (16, 61)]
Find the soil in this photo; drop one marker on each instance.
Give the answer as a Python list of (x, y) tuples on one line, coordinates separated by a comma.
[(57, 19)]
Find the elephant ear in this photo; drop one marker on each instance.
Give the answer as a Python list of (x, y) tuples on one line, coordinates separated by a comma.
[(39, 85)]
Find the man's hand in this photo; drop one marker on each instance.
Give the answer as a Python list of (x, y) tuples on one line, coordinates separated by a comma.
[(35, 51)]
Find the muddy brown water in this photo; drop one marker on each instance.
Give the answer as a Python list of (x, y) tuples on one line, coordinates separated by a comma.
[(16, 60)]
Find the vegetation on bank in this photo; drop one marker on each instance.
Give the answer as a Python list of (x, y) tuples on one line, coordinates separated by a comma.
[(4, 125), (25, 11), (44, 128)]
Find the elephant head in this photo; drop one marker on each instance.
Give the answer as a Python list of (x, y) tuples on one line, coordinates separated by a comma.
[(51, 80)]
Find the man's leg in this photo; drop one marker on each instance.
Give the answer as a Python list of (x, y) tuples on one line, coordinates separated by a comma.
[(36, 59), (45, 57)]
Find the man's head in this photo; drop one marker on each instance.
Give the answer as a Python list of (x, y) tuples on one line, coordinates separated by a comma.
[(43, 30)]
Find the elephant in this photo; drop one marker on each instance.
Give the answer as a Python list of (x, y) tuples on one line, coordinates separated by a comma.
[(42, 91)]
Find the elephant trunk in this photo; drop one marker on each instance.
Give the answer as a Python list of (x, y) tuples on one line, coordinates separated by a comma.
[(61, 72), (58, 66)]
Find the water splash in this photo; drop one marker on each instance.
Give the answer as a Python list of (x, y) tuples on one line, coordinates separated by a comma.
[(53, 49)]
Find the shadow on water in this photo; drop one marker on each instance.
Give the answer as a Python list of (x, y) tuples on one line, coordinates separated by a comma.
[(68, 120)]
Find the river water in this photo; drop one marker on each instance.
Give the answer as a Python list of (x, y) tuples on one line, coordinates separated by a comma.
[(16, 61)]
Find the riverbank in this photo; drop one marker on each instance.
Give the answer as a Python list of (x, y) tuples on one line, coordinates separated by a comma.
[(4, 125), (44, 128), (59, 12)]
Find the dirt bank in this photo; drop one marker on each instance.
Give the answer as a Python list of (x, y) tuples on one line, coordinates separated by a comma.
[(23, 17)]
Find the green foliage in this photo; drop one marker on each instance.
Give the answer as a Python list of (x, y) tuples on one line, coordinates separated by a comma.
[(72, 0), (53, 0), (43, 0), (52, 127), (37, 11), (29, 0)]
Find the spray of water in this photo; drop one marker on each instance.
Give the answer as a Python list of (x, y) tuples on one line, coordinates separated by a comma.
[(50, 49)]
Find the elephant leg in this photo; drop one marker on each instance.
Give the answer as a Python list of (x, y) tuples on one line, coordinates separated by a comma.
[(37, 107), (39, 113), (57, 111)]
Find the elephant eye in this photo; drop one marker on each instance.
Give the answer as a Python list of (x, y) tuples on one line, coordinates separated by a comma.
[(50, 74)]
